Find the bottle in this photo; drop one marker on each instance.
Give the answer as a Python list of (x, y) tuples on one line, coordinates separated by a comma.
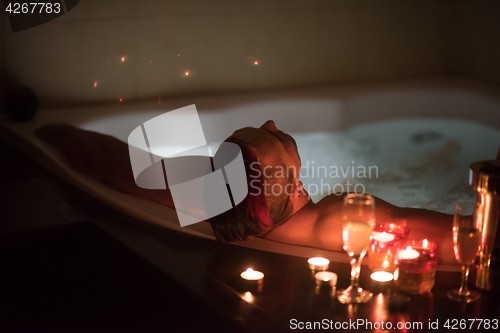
[(485, 179)]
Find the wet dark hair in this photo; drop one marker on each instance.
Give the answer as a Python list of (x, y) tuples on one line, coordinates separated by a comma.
[(252, 216)]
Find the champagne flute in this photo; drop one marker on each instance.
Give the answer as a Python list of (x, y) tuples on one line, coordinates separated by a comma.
[(358, 219), (466, 245)]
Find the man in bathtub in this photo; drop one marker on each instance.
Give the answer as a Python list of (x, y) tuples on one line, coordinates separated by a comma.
[(290, 217)]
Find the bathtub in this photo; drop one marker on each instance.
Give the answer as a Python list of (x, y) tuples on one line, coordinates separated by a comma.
[(419, 138)]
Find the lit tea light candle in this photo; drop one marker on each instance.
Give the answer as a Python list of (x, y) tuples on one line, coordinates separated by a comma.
[(252, 280), (408, 254), (318, 263), (252, 275), (381, 276), (383, 236), (325, 279)]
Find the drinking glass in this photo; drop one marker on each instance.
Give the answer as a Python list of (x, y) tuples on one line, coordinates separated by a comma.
[(358, 219), (466, 244)]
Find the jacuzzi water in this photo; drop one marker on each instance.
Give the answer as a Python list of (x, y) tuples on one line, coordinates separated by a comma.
[(421, 163)]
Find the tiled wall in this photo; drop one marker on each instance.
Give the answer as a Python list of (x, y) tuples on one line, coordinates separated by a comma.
[(2, 55), (77, 58), (477, 45)]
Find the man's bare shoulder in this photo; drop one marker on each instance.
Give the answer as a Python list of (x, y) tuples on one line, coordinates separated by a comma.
[(330, 204)]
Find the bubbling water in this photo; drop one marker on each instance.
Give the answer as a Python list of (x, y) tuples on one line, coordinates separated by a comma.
[(422, 163)]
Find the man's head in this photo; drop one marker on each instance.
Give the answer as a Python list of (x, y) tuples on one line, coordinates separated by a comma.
[(272, 166)]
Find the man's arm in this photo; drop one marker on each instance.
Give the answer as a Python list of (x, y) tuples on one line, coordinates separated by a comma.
[(436, 227), (101, 157), (320, 225)]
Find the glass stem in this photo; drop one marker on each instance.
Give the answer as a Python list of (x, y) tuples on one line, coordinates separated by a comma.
[(465, 276), (355, 270)]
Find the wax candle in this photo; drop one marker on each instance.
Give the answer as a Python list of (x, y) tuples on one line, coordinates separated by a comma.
[(408, 253), (318, 263), (252, 280), (252, 275), (383, 236), (381, 276)]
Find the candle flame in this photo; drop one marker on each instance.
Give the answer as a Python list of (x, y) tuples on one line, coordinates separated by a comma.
[(255, 63), (123, 59), (187, 73), (425, 243), (408, 249), (249, 270)]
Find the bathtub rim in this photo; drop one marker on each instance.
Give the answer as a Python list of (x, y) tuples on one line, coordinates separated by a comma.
[(21, 136)]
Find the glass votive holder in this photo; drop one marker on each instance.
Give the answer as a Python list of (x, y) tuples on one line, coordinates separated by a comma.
[(416, 266), (381, 254)]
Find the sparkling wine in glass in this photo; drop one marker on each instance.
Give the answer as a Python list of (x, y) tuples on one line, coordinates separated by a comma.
[(466, 245), (358, 219)]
